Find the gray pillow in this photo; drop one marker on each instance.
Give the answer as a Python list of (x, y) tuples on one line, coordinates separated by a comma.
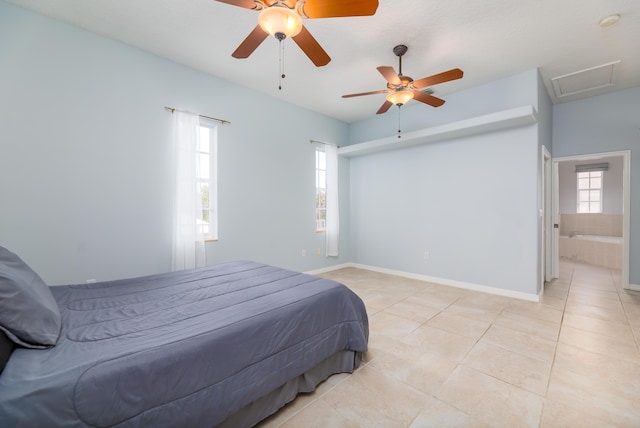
[(29, 315)]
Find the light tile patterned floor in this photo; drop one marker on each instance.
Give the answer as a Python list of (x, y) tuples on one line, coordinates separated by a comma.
[(445, 357)]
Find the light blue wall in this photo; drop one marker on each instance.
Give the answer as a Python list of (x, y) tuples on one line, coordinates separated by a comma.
[(470, 202), (545, 116), (605, 123), (85, 154)]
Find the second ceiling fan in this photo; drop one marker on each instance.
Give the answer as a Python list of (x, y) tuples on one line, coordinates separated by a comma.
[(401, 88), (283, 19)]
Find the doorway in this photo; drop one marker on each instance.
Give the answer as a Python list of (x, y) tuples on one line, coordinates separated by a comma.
[(622, 191)]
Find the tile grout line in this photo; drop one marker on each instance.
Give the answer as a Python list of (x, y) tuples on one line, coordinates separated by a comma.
[(555, 350), (626, 315)]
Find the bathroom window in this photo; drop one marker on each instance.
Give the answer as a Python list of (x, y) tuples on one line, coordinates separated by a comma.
[(589, 192)]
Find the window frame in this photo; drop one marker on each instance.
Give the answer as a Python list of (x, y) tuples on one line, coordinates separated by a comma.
[(321, 192), (210, 230)]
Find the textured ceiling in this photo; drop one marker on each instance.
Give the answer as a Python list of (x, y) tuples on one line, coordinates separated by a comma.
[(488, 39)]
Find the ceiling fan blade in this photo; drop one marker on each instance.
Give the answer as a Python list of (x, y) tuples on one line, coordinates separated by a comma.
[(337, 8), (384, 107), (389, 74), (382, 91), (250, 44), (427, 99), (311, 47), (247, 4), (445, 76)]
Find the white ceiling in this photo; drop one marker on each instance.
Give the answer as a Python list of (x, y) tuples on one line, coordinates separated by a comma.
[(488, 39)]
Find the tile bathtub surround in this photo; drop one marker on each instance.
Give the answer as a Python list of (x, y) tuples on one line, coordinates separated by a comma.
[(445, 357), (591, 224)]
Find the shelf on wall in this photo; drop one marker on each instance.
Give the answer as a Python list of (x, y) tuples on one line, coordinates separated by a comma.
[(519, 116)]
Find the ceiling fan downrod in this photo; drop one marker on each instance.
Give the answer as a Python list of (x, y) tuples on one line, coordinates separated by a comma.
[(400, 50)]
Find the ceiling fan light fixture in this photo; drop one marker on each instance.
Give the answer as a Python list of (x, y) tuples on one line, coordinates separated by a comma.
[(400, 97), (280, 22)]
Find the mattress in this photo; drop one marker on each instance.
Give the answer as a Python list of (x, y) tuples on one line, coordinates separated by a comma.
[(186, 348)]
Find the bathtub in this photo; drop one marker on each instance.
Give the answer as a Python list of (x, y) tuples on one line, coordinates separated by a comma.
[(598, 238), (593, 249)]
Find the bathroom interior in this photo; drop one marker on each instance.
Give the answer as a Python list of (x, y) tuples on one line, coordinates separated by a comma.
[(595, 237)]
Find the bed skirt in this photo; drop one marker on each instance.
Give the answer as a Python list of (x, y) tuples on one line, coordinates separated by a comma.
[(250, 415)]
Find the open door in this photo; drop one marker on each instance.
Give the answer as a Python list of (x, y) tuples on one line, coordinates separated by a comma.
[(555, 221)]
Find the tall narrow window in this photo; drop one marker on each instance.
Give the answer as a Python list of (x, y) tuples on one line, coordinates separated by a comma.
[(321, 189), (208, 179), (590, 192)]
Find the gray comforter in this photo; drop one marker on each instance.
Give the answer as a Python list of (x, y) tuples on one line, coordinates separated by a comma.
[(185, 348)]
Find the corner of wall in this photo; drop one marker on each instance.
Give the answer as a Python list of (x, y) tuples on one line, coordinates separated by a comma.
[(545, 114)]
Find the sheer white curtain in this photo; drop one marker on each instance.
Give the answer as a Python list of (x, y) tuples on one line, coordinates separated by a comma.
[(188, 239), (333, 213)]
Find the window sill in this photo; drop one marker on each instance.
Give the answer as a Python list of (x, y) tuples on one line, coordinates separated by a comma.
[(210, 239)]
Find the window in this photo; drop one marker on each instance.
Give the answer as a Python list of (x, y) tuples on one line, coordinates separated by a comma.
[(208, 179), (590, 192), (321, 189)]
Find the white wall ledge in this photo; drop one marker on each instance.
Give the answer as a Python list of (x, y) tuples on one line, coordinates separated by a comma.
[(519, 116)]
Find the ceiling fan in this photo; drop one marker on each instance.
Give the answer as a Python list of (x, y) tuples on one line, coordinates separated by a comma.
[(401, 88), (283, 19)]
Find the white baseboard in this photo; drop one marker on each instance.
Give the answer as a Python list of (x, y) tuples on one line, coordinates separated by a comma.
[(329, 268), (442, 281), (634, 287)]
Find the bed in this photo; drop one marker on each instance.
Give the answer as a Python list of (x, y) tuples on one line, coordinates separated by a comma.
[(225, 345)]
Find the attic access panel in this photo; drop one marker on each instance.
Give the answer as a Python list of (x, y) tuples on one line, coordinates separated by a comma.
[(589, 79)]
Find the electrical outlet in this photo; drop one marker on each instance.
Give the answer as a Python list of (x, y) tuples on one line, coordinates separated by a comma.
[(303, 253), (318, 251), (427, 256)]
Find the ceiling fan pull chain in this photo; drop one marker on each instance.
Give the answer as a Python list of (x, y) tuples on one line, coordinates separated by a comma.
[(282, 76), (399, 130)]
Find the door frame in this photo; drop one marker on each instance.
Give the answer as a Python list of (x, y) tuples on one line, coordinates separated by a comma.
[(546, 247), (626, 208)]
